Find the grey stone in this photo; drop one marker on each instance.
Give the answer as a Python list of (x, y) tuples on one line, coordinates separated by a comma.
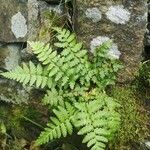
[(19, 25), (26, 56), (36, 23), (13, 19), (10, 56), (33, 20), (147, 143), (122, 21), (52, 1)]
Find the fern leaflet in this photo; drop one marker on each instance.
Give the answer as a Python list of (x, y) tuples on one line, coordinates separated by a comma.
[(60, 125)]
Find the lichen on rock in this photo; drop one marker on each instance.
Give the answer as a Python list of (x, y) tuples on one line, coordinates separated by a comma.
[(113, 51), (94, 14), (118, 14), (18, 25)]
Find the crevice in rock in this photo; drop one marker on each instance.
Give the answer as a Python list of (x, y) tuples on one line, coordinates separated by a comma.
[(52, 1), (147, 52), (69, 8), (147, 37)]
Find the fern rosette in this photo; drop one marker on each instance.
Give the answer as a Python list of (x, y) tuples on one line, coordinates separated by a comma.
[(75, 89)]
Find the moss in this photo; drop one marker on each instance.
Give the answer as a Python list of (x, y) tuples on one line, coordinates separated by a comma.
[(144, 74), (134, 118), (49, 20), (21, 123)]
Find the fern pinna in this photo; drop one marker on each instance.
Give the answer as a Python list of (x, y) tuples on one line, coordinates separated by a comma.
[(75, 89)]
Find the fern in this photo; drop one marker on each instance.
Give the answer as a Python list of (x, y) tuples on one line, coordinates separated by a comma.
[(53, 98), (76, 88), (97, 120), (74, 53), (104, 68), (60, 125), (55, 65), (29, 74)]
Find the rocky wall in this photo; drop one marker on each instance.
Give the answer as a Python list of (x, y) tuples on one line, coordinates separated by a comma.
[(22, 21)]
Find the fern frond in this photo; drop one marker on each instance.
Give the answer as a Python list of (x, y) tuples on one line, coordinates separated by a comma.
[(58, 69), (44, 52), (53, 98), (94, 134), (97, 121), (29, 74), (73, 51), (104, 69), (60, 125)]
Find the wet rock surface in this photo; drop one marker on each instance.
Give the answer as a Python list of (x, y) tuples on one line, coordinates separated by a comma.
[(52, 1)]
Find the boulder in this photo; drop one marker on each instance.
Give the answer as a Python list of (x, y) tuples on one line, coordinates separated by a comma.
[(122, 21)]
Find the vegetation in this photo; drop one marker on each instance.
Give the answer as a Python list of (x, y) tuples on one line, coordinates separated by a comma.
[(75, 89), (134, 117)]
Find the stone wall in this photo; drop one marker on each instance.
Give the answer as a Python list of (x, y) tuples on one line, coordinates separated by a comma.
[(94, 21)]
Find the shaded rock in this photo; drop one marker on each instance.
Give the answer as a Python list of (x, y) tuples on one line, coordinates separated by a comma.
[(52, 1), (123, 21), (13, 93), (13, 20)]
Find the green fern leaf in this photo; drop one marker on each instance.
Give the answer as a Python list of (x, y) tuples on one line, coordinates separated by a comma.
[(53, 98), (30, 74), (94, 120), (59, 126)]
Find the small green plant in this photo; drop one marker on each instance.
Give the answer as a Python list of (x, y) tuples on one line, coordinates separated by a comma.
[(145, 72), (75, 89)]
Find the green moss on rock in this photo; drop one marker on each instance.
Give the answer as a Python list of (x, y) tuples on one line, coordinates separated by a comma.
[(134, 127)]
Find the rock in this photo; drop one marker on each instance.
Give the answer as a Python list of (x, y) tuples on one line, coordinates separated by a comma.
[(36, 19), (11, 92), (147, 143), (118, 14), (122, 21), (10, 56), (13, 21), (26, 56), (19, 25)]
